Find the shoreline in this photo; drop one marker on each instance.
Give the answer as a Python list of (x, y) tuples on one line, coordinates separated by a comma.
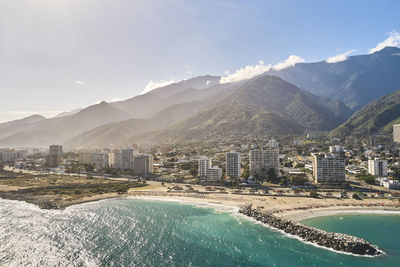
[(300, 216), (294, 216)]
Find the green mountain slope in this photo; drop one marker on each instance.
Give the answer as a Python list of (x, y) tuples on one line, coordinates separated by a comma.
[(377, 116), (356, 81)]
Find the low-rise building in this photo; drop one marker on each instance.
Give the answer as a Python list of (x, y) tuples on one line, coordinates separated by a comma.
[(213, 174)]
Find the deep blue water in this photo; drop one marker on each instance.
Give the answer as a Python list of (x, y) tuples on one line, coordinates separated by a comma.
[(131, 232)]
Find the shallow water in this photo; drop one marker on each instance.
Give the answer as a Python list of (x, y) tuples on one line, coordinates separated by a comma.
[(128, 232)]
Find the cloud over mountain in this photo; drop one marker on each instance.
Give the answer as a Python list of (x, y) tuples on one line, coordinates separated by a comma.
[(153, 85), (289, 62), (340, 57), (392, 40), (247, 72)]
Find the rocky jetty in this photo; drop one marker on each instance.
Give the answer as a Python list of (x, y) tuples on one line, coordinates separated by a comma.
[(336, 241)]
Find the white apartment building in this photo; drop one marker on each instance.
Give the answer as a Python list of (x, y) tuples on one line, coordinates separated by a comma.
[(377, 167), (263, 160), (273, 143), (143, 164), (233, 167), (213, 174), (9, 155), (336, 149), (99, 159), (329, 168), (396, 133), (204, 164)]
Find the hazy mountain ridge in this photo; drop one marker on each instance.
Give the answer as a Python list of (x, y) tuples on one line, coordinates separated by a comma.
[(147, 105), (58, 130), (263, 105), (356, 81), (119, 133), (377, 116), (13, 127)]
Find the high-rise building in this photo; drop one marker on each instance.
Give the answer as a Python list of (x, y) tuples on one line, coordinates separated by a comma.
[(273, 143), (213, 174), (143, 164), (377, 167), (8, 155), (329, 168), (233, 161), (53, 160), (396, 133), (99, 159), (263, 160), (123, 159), (204, 163)]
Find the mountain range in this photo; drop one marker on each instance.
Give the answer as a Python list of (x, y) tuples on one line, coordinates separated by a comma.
[(306, 97), (356, 81), (376, 117)]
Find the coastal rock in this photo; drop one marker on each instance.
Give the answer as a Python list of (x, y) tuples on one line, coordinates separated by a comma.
[(336, 241)]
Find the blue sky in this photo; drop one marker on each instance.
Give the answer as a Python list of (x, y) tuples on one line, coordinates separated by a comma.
[(58, 55)]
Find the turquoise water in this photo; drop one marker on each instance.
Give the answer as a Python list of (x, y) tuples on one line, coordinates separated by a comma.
[(152, 233)]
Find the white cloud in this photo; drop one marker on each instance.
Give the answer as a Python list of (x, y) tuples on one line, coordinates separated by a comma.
[(227, 72), (392, 40), (340, 57), (153, 85), (189, 72), (80, 82), (289, 62), (246, 73)]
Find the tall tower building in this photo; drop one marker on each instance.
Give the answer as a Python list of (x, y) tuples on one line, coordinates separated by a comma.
[(123, 159), (204, 164), (377, 167), (233, 161), (263, 160), (329, 168), (396, 133), (53, 160), (143, 164)]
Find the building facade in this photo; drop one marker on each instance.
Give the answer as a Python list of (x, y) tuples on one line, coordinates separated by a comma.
[(336, 149), (213, 174), (123, 159), (53, 160), (396, 133), (204, 163), (273, 144), (143, 164), (99, 159), (263, 160), (233, 164), (377, 167), (329, 168)]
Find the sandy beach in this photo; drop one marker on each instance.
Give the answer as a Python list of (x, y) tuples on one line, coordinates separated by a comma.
[(293, 208)]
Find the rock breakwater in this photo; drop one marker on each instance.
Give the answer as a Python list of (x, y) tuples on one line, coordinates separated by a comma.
[(336, 241)]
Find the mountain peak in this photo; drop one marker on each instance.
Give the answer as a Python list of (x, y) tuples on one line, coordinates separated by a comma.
[(388, 50)]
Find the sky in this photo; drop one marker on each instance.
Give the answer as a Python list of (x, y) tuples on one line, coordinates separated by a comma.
[(59, 55)]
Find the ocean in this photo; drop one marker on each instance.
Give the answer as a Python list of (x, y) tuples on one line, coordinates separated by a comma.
[(136, 232)]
